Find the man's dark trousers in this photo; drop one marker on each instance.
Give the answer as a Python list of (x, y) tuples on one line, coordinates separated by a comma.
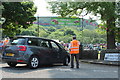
[(76, 59)]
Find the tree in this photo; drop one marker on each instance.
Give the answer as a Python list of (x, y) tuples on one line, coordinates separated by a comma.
[(105, 9), (17, 14), (69, 32), (51, 29), (31, 31)]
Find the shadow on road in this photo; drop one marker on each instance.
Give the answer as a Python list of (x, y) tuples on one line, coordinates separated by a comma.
[(23, 68)]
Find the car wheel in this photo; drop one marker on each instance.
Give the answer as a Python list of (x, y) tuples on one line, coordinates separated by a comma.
[(12, 64), (66, 61), (33, 62)]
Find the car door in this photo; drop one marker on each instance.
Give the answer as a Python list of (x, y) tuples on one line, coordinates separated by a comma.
[(55, 55), (46, 51), (36, 47), (33, 46)]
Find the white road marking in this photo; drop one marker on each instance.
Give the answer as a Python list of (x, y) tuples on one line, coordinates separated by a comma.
[(103, 71), (59, 69)]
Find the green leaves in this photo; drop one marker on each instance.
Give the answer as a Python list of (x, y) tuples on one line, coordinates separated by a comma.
[(69, 32), (105, 9), (17, 14)]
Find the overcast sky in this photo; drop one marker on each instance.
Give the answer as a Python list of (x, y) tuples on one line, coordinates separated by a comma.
[(42, 10)]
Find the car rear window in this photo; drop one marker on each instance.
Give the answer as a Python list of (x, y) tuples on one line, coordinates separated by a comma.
[(18, 41)]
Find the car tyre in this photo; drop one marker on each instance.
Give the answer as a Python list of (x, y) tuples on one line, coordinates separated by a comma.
[(12, 64), (34, 62), (66, 61)]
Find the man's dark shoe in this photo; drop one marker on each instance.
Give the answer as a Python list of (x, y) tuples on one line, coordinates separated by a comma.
[(77, 67), (71, 67)]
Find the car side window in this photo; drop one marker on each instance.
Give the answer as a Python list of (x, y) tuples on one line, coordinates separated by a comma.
[(33, 42), (18, 41), (54, 45), (44, 43)]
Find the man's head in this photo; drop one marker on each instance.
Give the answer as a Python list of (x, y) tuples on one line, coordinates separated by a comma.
[(74, 37)]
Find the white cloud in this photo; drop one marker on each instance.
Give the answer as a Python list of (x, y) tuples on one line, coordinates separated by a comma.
[(42, 10)]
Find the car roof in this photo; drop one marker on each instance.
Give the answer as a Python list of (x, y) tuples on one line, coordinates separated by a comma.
[(27, 36), (35, 37)]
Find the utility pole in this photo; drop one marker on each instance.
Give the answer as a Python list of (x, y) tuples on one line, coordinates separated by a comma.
[(82, 28), (81, 43), (38, 25), (2, 20)]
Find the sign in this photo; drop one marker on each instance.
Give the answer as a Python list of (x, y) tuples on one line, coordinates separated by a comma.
[(112, 57), (54, 21), (66, 21), (44, 21)]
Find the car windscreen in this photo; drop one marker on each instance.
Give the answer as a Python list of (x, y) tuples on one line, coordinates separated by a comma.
[(18, 41)]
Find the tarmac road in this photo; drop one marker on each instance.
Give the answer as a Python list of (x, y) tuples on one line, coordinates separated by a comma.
[(86, 70)]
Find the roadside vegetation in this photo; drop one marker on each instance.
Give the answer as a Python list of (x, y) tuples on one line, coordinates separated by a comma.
[(65, 33), (20, 17)]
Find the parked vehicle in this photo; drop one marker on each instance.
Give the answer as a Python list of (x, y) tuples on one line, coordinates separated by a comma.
[(34, 51)]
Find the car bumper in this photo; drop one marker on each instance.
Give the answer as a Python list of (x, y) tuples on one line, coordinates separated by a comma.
[(17, 60)]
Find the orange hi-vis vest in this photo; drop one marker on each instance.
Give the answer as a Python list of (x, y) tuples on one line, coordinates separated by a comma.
[(5, 42), (74, 47)]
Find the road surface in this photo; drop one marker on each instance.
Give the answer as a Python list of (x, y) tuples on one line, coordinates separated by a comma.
[(86, 70)]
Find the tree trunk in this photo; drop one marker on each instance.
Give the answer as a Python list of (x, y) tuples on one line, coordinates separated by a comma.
[(111, 34)]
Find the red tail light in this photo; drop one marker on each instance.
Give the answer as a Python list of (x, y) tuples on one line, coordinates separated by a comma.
[(22, 48), (20, 61)]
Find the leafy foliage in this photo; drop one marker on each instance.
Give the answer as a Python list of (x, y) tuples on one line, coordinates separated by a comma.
[(105, 9), (17, 15), (31, 31), (65, 34)]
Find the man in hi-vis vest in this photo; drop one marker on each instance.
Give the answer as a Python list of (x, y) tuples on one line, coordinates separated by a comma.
[(74, 51)]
